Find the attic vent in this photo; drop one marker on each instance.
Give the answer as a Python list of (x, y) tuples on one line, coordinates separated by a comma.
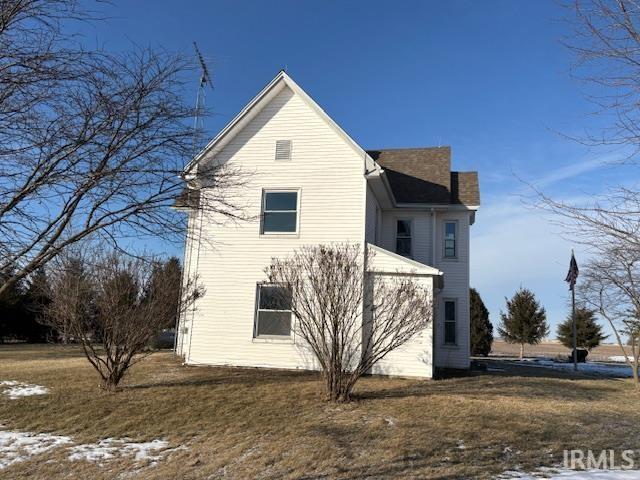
[(283, 149)]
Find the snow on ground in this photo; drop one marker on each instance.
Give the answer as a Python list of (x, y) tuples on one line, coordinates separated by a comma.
[(620, 358), (17, 446), (562, 474), (118, 447), (18, 389), (601, 369)]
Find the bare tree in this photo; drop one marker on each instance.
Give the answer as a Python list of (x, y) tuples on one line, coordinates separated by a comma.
[(611, 286), (114, 308), (605, 40), (92, 144), (606, 43), (349, 318)]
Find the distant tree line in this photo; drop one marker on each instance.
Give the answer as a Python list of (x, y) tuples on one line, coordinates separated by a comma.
[(23, 306)]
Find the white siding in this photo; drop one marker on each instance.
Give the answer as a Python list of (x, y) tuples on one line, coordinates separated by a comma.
[(372, 218), (456, 286), (456, 272), (414, 358), (329, 175)]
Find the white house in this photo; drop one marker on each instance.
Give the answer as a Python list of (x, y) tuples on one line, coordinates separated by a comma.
[(310, 183)]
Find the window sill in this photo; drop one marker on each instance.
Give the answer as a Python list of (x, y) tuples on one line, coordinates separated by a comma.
[(281, 234), (272, 340), (450, 346)]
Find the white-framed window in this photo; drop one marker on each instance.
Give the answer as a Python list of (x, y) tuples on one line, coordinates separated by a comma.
[(450, 314), (280, 211), (450, 239), (404, 240), (283, 150), (273, 312)]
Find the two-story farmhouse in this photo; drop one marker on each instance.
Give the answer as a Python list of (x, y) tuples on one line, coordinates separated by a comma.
[(310, 183)]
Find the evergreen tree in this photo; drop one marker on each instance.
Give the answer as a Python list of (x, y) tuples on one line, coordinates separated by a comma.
[(525, 321), (588, 332), (168, 272), (36, 298), (10, 307), (481, 327)]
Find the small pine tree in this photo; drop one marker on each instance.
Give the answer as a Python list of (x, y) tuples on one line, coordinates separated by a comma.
[(481, 327), (525, 321), (588, 332)]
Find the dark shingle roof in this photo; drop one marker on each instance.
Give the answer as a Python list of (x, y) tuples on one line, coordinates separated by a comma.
[(423, 175)]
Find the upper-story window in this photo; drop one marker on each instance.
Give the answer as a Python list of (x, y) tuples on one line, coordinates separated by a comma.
[(403, 238), (450, 239), (283, 149), (280, 211), (450, 322)]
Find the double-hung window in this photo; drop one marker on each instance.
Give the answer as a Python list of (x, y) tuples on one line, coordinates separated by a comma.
[(450, 322), (280, 211), (450, 234), (403, 238), (273, 316)]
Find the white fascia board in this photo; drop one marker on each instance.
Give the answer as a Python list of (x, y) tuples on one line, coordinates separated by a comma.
[(437, 206), (414, 266), (247, 113)]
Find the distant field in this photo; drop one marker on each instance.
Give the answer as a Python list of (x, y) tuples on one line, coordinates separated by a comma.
[(551, 349)]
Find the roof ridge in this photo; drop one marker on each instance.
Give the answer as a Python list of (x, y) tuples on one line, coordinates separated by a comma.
[(407, 148)]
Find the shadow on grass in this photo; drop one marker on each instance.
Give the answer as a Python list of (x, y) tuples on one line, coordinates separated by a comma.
[(224, 376)]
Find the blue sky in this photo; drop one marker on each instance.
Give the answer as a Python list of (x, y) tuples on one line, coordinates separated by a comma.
[(490, 78)]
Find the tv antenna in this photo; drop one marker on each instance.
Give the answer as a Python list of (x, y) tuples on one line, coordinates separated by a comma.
[(205, 79)]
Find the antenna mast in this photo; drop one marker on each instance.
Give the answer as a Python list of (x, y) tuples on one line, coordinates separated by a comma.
[(198, 120)]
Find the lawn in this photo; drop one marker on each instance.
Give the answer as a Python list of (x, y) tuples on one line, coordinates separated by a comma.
[(249, 423)]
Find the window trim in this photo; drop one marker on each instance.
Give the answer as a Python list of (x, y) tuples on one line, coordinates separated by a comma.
[(265, 191), (445, 321), (411, 224), (455, 240), (269, 338)]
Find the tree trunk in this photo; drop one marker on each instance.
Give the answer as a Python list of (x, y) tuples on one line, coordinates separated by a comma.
[(521, 351)]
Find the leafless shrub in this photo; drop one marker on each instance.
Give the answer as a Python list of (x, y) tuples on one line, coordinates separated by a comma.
[(349, 318), (114, 307)]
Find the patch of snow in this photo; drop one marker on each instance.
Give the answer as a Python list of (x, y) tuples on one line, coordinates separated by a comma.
[(562, 473), (620, 359), (588, 368), (461, 445), (18, 389), (110, 448), (20, 446), (17, 446)]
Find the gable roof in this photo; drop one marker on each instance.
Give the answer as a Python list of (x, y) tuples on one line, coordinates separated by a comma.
[(423, 175), (280, 81)]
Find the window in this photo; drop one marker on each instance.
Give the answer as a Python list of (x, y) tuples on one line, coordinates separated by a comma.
[(283, 149), (450, 239), (450, 322), (403, 238), (280, 212), (273, 318)]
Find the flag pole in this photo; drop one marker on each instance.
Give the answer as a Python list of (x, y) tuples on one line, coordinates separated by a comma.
[(573, 327)]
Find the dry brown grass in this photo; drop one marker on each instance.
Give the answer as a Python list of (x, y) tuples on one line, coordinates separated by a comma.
[(245, 423)]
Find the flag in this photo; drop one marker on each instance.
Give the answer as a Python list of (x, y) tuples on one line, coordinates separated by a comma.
[(572, 275)]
